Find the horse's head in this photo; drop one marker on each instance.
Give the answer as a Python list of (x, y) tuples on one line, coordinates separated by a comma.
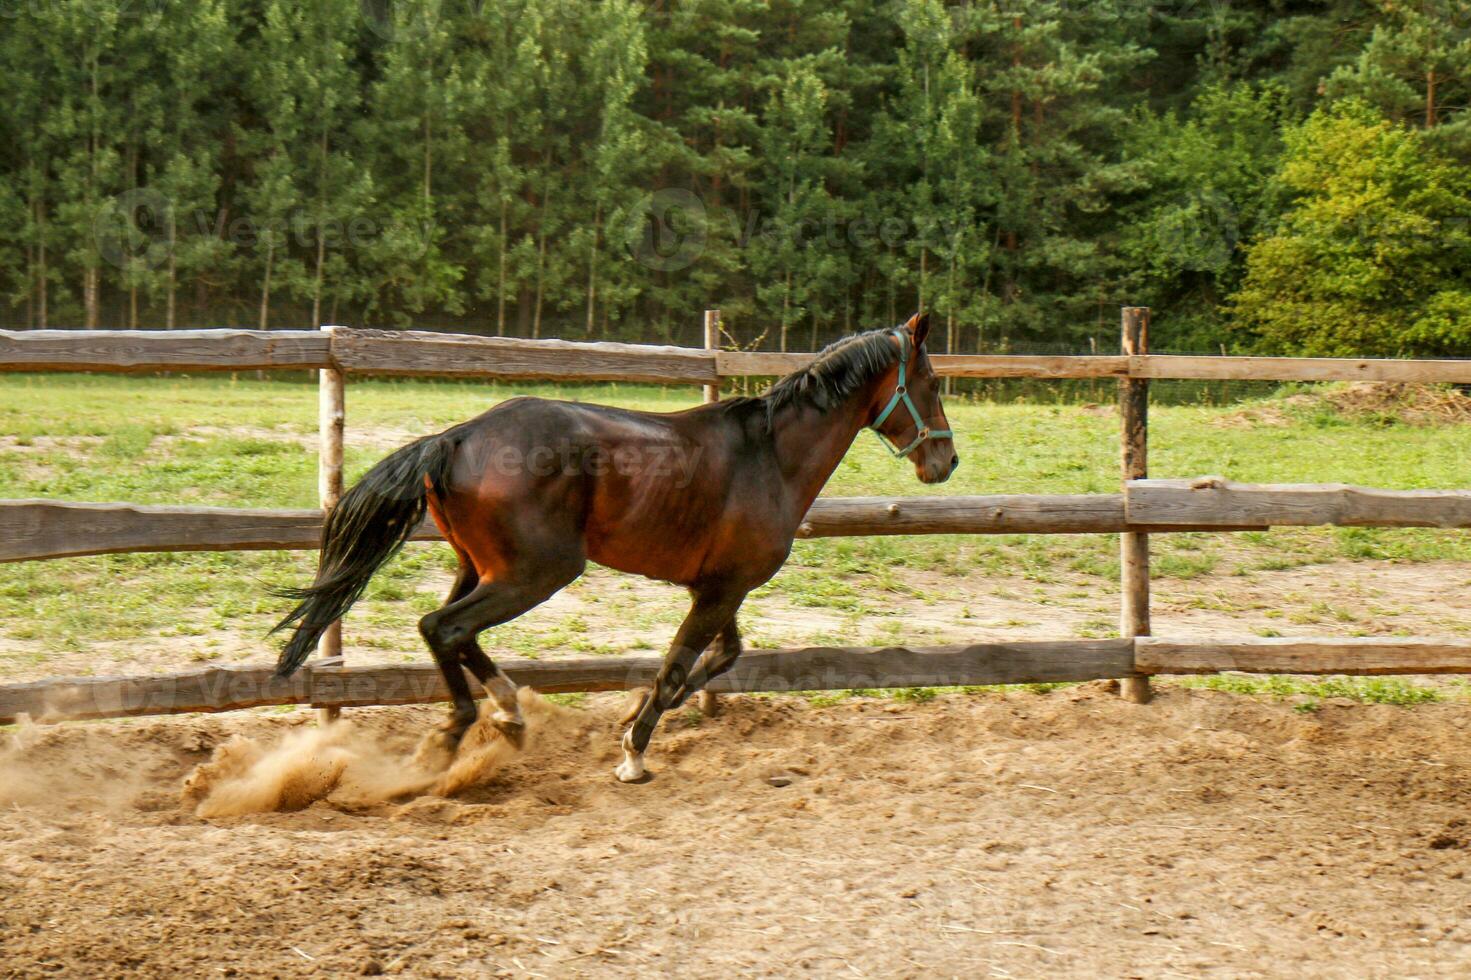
[(910, 418)]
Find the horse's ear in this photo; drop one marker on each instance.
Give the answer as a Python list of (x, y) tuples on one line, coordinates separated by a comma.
[(919, 328)]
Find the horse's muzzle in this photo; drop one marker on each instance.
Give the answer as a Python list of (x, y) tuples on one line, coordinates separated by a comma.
[(938, 471)]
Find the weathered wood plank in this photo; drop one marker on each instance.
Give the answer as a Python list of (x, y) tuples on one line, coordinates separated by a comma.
[(1097, 513), (55, 529), (764, 363), (1298, 369), (409, 352), (1294, 655), (1139, 366), (462, 355), (1186, 502), (161, 350), (814, 668), (37, 529)]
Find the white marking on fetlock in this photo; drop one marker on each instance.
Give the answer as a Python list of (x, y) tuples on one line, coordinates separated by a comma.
[(632, 768), (503, 718)]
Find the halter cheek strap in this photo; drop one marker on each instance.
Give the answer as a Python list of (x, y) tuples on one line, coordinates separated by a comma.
[(901, 397)]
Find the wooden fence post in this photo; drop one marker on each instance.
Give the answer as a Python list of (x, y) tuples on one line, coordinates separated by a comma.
[(1134, 547), (712, 344), (331, 422), (708, 701)]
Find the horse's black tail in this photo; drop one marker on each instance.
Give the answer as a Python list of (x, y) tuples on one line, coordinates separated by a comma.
[(367, 527)]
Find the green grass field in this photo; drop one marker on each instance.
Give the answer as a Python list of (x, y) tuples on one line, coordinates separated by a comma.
[(237, 441)]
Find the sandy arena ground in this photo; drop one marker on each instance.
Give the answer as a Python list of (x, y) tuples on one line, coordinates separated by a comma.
[(1021, 835)]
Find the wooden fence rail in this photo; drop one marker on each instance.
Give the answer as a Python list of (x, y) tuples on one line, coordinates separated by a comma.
[(163, 350), (1166, 503), (810, 669), (41, 529), (423, 354), (38, 529)]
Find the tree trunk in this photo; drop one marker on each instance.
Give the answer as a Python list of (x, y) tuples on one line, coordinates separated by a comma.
[(924, 265), (317, 285), (541, 264), (321, 238), (90, 296), (31, 292), (90, 286), (265, 286), (42, 287), (592, 268), (500, 299), (786, 305), (170, 310), (1430, 112), (132, 280)]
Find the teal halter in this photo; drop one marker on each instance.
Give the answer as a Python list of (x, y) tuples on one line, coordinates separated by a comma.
[(901, 396)]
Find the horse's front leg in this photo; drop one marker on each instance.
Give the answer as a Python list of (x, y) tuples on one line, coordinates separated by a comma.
[(716, 660), (712, 611)]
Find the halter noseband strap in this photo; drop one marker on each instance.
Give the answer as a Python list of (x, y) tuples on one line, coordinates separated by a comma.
[(901, 397)]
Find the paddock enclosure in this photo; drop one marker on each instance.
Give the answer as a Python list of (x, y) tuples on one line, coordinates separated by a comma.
[(45, 529), (1103, 829)]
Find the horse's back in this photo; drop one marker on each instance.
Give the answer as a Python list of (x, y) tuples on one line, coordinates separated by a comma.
[(647, 492)]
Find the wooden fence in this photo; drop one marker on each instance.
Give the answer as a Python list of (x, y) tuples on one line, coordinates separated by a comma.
[(44, 529)]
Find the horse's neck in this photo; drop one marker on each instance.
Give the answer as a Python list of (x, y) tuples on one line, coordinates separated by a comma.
[(810, 444)]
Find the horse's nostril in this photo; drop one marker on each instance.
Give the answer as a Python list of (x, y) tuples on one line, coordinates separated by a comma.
[(954, 462)]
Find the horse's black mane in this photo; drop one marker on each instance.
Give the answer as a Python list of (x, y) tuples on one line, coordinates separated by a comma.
[(839, 370)]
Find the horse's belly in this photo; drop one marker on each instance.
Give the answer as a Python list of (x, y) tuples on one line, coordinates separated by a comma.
[(670, 557)]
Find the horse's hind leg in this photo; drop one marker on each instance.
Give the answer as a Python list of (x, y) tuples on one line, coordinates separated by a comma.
[(451, 632), (463, 713), (496, 683)]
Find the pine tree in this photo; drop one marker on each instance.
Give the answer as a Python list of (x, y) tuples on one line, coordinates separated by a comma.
[(1061, 72), (420, 156), (1416, 69), (1209, 171), (945, 194), (81, 72)]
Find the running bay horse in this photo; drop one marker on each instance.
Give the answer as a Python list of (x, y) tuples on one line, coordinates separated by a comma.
[(709, 498)]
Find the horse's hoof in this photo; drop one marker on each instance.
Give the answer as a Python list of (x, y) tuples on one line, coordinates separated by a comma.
[(511, 727), (631, 769), (628, 772)]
